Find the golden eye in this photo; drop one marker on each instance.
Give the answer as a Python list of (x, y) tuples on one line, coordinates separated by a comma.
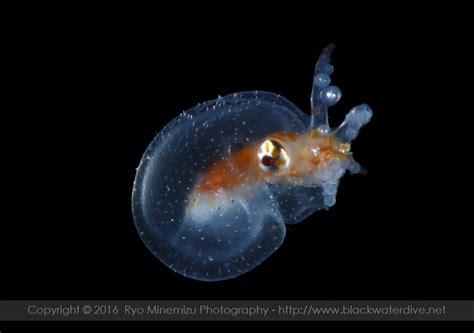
[(272, 156)]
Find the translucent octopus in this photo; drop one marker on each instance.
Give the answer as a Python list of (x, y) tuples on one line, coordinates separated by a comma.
[(217, 185)]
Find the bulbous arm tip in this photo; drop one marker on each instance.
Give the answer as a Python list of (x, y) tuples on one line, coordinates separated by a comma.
[(358, 117)]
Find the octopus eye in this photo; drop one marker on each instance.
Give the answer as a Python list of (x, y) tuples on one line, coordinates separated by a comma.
[(272, 156)]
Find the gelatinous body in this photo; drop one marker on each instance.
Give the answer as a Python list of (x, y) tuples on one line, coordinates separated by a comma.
[(216, 186)]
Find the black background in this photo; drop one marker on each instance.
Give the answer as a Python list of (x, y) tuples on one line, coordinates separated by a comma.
[(96, 85)]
